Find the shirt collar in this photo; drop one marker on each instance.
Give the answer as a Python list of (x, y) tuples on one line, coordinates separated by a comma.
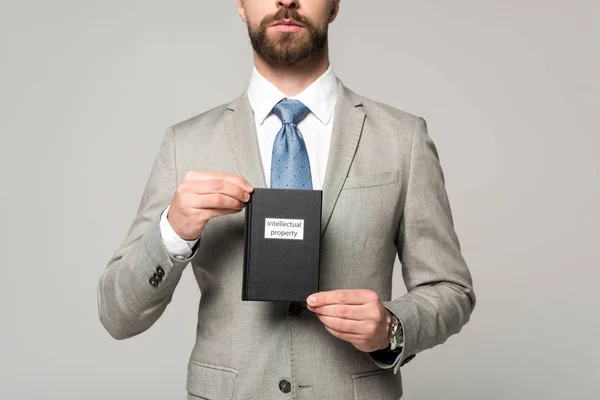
[(320, 97)]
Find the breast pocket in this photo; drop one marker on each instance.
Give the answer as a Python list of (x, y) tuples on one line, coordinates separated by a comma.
[(210, 382), (371, 180)]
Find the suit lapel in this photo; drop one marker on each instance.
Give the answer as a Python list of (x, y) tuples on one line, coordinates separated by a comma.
[(347, 129), (241, 131)]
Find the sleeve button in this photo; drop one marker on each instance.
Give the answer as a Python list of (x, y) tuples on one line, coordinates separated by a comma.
[(407, 360)]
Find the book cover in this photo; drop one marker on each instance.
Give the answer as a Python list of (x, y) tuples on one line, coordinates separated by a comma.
[(282, 245)]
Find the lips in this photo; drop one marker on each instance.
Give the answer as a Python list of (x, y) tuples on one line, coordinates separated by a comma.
[(287, 22)]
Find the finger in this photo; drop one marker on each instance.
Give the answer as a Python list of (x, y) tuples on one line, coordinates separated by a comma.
[(348, 337), (220, 213), (347, 311), (231, 178), (211, 201), (215, 186), (345, 325), (354, 297)]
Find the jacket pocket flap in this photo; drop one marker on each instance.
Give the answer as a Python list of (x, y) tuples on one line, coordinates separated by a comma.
[(384, 178), (210, 381), (381, 384)]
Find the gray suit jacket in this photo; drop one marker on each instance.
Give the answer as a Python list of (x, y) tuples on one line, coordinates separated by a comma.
[(383, 195)]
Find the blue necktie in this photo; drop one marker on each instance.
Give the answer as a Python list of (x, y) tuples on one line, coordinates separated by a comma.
[(290, 168)]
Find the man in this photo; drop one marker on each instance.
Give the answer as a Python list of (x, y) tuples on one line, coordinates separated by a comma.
[(383, 193)]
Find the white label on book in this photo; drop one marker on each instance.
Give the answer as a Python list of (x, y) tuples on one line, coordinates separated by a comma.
[(276, 228)]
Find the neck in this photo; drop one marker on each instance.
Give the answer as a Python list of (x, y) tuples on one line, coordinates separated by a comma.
[(292, 79)]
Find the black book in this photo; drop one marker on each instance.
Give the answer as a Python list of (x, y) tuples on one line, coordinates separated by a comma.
[(282, 245)]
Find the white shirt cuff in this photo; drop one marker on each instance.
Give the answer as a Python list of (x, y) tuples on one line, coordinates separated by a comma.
[(176, 246)]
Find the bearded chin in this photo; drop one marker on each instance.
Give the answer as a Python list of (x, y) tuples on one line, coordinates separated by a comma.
[(287, 48)]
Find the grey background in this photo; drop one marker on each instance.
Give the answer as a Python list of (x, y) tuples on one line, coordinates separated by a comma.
[(510, 91)]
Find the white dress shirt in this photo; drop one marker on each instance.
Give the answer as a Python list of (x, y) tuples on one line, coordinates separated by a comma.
[(316, 128)]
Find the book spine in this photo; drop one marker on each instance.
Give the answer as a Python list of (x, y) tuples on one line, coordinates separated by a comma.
[(247, 247)]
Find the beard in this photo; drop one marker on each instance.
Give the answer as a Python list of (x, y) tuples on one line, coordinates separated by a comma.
[(288, 47)]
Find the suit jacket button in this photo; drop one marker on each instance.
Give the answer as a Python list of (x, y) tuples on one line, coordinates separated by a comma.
[(407, 360), (285, 386), (160, 271), (157, 277), (153, 282)]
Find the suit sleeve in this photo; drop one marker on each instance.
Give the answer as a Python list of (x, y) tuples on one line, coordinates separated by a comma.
[(140, 278), (440, 296)]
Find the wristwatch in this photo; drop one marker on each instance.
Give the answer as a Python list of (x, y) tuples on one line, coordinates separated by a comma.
[(396, 335)]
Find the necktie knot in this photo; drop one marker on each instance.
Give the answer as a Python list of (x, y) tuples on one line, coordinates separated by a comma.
[(290, 111), (290, 167)]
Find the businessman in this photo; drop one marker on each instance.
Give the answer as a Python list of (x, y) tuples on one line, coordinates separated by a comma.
[(383, 195)]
